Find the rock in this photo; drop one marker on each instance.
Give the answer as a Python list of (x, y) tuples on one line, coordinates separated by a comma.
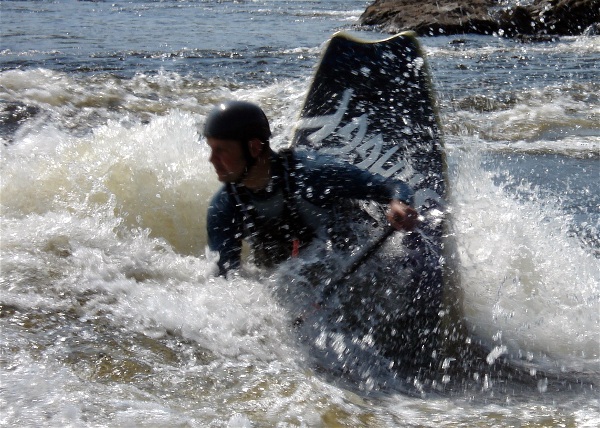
[(428, 17), (567, 17), (13, 115), (550, 17), (437, 17), (514, 21)]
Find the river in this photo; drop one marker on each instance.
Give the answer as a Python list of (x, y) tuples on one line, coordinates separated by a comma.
[(110, 311)]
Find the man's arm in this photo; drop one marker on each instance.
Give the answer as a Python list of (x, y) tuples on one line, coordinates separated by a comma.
[(224, 232), (327, 179)]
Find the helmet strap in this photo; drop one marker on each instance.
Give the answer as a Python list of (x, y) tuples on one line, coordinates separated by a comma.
[(250, 161)]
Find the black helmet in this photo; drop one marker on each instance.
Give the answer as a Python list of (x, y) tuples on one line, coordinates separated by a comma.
[(237, 120)]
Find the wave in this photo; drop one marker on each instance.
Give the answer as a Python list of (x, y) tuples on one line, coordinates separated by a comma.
[(80, 103), (575, 147), (567, 115), (477, 47), (556, 118), (529, 283)]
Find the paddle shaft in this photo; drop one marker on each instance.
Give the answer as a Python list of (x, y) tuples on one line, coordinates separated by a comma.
[(358, 260)]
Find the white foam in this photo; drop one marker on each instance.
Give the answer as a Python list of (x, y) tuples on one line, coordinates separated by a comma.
[(528, 284)]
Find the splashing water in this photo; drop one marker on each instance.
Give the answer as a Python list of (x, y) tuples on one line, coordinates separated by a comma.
[(110, 313), (530, 285)]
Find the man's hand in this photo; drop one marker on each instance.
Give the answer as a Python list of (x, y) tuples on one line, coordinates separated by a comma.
[(402, 216)]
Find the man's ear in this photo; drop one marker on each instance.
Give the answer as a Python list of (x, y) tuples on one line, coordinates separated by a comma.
[(255, 147)]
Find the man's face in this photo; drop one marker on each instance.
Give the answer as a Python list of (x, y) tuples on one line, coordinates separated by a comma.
[(228, 159)]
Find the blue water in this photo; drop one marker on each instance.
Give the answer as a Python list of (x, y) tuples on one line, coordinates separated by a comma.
[(242, 40), (110, 314)]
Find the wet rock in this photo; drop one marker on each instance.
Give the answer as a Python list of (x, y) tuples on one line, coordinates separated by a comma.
[(12, 116), (443, 17), (427, 17), (550, 17), (566, 17)]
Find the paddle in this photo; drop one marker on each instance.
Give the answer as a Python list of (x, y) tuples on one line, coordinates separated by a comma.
[(362, 256)]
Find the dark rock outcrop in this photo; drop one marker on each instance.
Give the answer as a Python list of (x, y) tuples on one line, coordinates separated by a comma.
[(439, 17), (12, 116), (431, 17), (550, 17)]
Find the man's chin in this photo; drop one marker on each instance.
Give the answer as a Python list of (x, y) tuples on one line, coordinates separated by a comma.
[(226, 178)]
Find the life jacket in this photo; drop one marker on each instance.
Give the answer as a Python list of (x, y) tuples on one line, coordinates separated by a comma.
[(273, 241)]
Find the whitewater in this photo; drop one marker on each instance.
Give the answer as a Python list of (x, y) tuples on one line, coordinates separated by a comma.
[(110, 310)]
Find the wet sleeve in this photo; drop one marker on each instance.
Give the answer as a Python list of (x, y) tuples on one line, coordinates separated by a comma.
[(326, 178), (224, 232)]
